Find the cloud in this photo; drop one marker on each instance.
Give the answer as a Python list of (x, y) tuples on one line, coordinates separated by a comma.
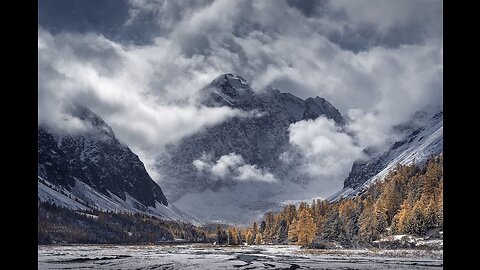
[(328, 152), (119, 85), (141, 69), (232, 167)]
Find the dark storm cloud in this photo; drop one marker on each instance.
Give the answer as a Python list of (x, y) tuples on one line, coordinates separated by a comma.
[(106, 17), (132, 62), (309, 7)]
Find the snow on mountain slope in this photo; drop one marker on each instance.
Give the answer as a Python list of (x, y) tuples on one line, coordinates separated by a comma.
[(93, 170), (84, 197), (420, 139), (237, 164)]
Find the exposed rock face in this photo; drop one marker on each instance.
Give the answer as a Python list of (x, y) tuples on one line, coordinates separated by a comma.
[(91, 169), (97, 159), (259, 136)]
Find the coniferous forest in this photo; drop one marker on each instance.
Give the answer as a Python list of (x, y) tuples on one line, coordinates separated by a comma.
[(409, 201), (58, 225)]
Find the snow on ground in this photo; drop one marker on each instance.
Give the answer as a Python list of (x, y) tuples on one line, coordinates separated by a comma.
[(198, 257), (414, 241)]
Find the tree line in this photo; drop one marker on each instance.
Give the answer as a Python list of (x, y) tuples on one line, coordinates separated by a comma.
[(62, 225), (408, 201)]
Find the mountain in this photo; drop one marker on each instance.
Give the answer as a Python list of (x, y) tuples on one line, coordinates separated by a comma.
[(237, 165), (92, 169), (419, 139)]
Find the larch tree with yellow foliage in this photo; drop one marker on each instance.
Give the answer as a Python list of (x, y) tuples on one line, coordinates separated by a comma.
[(306, 229)]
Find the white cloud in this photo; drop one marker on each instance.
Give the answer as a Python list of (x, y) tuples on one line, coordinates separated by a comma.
[(329, 153), (116, 83), (232, 167), (147, 93)]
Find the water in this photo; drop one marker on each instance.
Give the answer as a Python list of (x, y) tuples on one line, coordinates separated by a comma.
[(198, 257)]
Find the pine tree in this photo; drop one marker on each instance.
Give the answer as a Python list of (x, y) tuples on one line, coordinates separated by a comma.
[(430, 214), (219, 235), (282, 231), (254, 229), (262, 227), (230, 240), (290, 213)]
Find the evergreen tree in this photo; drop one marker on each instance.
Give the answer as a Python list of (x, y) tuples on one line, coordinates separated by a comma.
[(282, 231), (262, 227), (230, 239), (416, 222), (333, 227), (430, 214), (219, 239)]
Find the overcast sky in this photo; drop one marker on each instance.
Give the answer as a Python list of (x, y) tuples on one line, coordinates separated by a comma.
[(132, 62)]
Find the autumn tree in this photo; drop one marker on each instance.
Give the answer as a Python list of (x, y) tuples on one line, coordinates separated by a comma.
[(402, 218), (368, 223), (249, 238), (306, 230), (293, 232), (439, 203), (230, 239), (268, 231), (258, 239)]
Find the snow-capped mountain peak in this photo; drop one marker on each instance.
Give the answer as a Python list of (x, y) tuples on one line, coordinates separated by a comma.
[(240, 154)]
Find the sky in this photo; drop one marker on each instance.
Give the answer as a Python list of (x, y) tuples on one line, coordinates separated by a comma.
[(139, 65)]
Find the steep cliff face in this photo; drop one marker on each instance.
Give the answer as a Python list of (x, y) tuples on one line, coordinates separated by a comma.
[(257, 137), (419, 139), (92, 169)]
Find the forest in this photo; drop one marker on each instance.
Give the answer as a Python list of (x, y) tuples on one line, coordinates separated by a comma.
[(408, 201), (59, 225)]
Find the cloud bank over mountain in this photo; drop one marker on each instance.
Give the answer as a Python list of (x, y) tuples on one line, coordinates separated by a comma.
[(140, 65)]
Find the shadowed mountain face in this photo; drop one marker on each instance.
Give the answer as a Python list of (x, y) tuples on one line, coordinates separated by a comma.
[(96, 158), (258, 137)]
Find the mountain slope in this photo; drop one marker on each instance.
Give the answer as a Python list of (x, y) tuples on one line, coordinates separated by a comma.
[(421, 138), (241, 155), (92, 169)]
